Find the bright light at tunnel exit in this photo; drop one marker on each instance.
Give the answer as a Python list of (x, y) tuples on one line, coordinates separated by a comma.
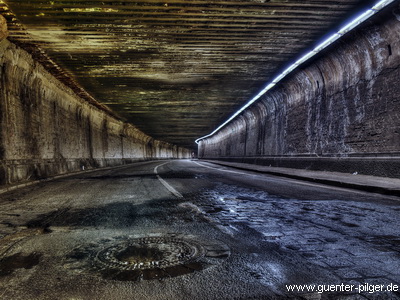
[(359, 19)]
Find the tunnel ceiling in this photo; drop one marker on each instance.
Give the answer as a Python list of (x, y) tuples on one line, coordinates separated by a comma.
[(175, 68)]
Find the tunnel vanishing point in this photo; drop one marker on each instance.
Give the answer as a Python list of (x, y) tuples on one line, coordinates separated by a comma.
[(88, 85)]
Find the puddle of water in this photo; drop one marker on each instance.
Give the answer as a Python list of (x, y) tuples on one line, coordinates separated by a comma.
[(18, 261)]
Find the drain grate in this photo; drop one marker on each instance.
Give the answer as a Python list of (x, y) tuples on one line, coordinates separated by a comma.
[(150, 253)]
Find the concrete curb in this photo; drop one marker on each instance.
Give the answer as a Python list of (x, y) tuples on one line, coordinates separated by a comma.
[(373, 184)]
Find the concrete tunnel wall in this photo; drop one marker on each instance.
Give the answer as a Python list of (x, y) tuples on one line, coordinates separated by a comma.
[(46, 129), (340, 112)]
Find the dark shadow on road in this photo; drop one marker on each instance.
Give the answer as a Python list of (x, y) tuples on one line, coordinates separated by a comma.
[(113, 215)]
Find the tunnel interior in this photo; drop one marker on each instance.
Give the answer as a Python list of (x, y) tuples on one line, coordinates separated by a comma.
[(121, 178), (147, 78)]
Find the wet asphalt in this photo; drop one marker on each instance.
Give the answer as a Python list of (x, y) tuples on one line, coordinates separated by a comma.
[(229, 234)]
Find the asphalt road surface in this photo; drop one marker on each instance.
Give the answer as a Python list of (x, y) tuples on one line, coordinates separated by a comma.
[(187, 229)]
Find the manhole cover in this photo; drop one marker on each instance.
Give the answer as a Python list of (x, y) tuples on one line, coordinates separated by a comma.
[(150, 253), (138, 257)]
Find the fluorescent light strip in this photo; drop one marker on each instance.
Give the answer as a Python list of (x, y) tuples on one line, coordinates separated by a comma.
[(331, 39), (361, 18), (382, 4)]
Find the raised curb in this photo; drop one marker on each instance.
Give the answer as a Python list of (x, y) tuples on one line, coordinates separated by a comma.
[(374, 184)]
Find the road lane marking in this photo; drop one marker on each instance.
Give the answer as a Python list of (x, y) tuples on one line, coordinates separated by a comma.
[(166, 184), (222, 170)]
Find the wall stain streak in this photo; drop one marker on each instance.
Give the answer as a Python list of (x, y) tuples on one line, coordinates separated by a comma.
[(47, 130)]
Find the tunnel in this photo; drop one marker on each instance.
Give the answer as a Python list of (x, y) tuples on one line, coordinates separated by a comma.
[(190, 149)]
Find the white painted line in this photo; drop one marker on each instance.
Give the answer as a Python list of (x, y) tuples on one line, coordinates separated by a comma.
[(222, 170), (166, 184)]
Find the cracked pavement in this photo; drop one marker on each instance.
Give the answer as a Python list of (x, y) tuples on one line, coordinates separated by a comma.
[(229, 234)]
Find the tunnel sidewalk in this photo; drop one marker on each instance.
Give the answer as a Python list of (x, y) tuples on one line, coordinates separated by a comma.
[(374, 184)]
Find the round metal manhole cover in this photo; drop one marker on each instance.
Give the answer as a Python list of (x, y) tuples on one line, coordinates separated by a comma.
[(150, 253), (138, 257)]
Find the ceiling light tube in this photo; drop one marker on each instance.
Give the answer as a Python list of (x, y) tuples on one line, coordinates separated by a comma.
[(357, 21), (382, 4), (290, 69), (280, 77), (304, 58), (267, 88), (284, 74), (333, 38)]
